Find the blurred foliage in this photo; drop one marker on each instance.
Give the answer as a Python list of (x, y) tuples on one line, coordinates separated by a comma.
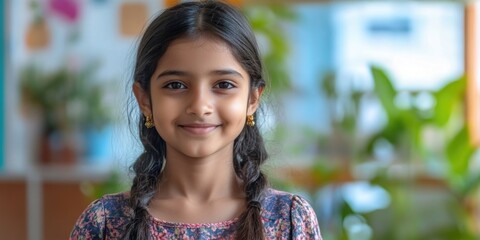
[(114, 183), (406, 127), (66, 98), (446, 117), (267, 22), (427, 175), (37, 11)]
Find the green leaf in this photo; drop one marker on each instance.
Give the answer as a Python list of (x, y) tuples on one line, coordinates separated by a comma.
[(413, 125), (459, 151), (392, 133), (447, 98), (385, 91), (267, 20), (284, 12), (473, 183)]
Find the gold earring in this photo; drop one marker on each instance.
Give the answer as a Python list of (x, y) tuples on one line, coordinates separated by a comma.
[(250, 120), (149, 122)]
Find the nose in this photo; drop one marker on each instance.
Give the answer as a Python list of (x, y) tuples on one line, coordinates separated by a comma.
[(200, 102)]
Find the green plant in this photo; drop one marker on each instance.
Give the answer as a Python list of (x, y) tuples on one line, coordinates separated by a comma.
[(266, 21), (446, 117), (114, 183), (66, 98), (425, 202)]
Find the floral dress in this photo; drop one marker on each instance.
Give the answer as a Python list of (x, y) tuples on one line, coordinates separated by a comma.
[(284, 216)]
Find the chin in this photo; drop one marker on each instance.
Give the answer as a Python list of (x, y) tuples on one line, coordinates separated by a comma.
[(198, 154), (204, 153)]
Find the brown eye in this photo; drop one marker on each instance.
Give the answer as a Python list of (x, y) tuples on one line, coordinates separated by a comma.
[(175, 85), (224, 85)]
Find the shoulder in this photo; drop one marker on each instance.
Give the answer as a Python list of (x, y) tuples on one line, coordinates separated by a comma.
[(111, 206), (289, 215), (278, 203), (116, 205), (101, 216)]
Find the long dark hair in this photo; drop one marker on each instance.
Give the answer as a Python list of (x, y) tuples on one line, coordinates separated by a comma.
[(192, 20)]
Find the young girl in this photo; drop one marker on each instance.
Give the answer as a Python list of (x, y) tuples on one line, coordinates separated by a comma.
[(198, 82)]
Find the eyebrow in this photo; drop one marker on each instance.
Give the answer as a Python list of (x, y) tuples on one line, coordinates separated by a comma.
[(172, 73), (179, 73), (227, 72)]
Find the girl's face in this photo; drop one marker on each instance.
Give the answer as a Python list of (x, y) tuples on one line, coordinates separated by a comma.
[(199, 98)]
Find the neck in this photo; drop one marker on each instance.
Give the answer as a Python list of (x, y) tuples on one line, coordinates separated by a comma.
[(199, 179)]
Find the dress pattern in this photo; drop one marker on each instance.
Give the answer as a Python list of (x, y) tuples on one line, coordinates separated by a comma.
[(284, 216)]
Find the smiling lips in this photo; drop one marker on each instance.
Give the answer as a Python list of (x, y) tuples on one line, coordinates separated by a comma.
[(199, 129)]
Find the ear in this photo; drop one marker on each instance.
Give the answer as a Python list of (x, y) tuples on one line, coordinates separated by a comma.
[(143, 99), (254, 100)]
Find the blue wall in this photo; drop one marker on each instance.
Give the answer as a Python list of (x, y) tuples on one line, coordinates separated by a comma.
[(311, 57)]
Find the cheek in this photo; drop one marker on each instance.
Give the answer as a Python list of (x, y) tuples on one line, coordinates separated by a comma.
[(235, 110), (164, 110)]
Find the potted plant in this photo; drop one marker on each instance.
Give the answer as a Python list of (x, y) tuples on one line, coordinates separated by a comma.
[(68, 101)]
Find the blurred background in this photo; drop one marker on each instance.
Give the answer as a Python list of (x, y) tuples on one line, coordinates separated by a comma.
[(372, 111)]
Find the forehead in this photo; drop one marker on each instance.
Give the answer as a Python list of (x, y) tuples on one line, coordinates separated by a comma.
[(199, 54), (203, 42)]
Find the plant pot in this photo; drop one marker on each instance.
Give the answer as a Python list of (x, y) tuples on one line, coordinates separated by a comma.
[(59, 148), (37, 35)]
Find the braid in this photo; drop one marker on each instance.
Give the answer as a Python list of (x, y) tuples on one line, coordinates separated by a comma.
[(147, 169), (250, 154)]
